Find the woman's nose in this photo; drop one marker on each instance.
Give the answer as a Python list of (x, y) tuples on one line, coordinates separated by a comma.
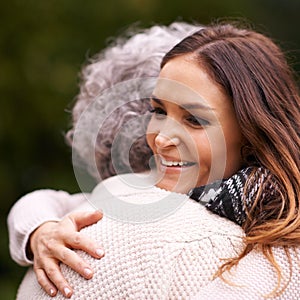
[(165, 133), (163, 141)]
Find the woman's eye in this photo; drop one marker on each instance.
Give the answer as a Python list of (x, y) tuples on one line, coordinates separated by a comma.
[(158, 112), (195, 121)]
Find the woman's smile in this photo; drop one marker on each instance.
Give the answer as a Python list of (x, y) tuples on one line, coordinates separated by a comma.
[(174, 163)]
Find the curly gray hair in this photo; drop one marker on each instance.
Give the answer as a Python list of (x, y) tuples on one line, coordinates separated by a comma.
[(134, 55)]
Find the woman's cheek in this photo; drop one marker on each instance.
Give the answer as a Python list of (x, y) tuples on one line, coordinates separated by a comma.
[(214, 152), (152, 131)]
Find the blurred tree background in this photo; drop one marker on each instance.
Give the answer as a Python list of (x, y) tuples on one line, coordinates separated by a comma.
[(43, 46)]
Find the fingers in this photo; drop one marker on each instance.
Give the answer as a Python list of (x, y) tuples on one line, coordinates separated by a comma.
[(45, 283), (50, 277), (53, 242), (79, 241), (53, 277), (73, 260), (49, 273), (82, 219)]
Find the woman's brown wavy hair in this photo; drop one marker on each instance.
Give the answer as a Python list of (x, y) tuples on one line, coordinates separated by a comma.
[(253, 71)]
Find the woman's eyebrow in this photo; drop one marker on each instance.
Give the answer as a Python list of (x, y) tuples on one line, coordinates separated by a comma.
[(187, 106), (197, 105)]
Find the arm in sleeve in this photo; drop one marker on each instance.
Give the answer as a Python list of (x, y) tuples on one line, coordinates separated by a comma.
[(32, 210)]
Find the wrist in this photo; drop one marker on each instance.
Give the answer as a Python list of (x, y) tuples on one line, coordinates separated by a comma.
[(31, 240)]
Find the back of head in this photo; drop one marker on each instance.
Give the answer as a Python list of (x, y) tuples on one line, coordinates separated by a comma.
[(136, 54)]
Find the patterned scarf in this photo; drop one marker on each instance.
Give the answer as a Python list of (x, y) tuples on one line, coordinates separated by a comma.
[(227, 197)]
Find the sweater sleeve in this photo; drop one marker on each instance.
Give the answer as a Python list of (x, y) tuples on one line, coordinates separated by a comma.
[(30, 211)]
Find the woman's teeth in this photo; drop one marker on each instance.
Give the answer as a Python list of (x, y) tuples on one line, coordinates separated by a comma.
[(175, 163)]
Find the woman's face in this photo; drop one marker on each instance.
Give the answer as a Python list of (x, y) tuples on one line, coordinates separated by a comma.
[(193, 132)]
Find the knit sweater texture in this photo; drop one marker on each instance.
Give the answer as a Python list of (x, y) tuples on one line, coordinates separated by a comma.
[(174, 257), (169, 258)]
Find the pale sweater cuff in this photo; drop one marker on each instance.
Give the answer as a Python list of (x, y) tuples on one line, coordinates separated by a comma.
[(30, 212)]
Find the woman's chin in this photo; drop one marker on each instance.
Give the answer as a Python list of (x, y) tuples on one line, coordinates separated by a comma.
[(175, 185)]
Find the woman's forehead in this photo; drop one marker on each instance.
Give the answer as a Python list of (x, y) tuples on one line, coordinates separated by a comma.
[(180, 94), (184, 82)]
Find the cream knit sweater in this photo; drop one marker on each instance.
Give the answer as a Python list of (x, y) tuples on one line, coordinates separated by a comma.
[(174, 257)]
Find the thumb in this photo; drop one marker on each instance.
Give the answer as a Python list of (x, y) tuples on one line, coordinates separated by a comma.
[(82, 219)]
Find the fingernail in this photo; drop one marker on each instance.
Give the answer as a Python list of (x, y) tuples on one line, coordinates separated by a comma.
[(99, 252), (67, 291), (51, 292), (87, 272)]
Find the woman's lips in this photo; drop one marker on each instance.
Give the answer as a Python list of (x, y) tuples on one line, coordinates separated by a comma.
[(173, 163)]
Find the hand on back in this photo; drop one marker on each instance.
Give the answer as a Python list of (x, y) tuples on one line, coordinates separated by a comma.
[(54, 242)]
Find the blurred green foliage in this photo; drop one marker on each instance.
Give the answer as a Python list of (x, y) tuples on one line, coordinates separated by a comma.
[(44, 44)]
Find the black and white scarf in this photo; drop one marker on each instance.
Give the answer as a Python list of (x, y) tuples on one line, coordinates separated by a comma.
[(227, 197)]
